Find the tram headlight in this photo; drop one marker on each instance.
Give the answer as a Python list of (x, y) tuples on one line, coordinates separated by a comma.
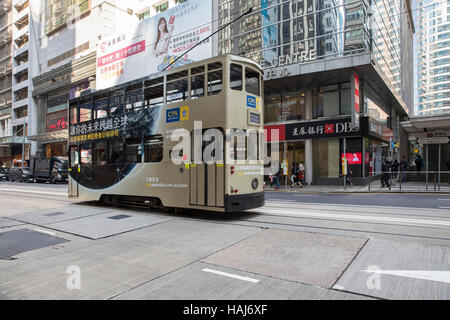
[(255, 184)]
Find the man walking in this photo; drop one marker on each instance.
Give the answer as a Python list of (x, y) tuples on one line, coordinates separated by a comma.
[(386, 173), (403, 169), (419, 163)]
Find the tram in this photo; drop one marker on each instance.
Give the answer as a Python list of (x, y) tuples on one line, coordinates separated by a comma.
[(122, 140)]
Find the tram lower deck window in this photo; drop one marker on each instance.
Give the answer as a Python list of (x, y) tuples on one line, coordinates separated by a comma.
[(133, 150), (153, 149)]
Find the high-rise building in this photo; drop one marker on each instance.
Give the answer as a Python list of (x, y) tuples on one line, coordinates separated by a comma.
[(322, 59), (68, 32), (6, 137), (433, 57)]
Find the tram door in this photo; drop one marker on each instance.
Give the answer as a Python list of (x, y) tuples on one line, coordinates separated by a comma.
[(206, 181)]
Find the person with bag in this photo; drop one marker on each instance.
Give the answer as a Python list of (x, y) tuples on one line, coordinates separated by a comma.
[(294, 175), (301, 174)]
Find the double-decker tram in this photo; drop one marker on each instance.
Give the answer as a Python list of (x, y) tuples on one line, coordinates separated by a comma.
[(123, 140)]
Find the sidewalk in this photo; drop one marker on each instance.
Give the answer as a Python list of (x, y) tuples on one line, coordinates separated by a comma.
[(362, 189)]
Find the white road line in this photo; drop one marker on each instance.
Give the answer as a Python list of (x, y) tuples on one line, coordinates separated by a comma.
[(306, 195), (230, 275), (439, 276), (46, 232), (357, 217), (280, 200), (34, 191)]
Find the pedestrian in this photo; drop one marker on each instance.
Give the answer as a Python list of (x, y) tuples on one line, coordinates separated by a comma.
[(348, 177), (395, 166), (386, 173), (419, 162), (403, 169), (301, 174), (278, 177), (294, 175)]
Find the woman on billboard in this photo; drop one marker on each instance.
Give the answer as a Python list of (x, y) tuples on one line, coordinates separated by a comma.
[(163, 37)]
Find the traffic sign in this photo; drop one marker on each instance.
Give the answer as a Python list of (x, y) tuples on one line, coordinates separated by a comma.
[(434, 140)]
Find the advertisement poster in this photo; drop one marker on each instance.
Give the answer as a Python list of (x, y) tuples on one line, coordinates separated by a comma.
[(154, 43)]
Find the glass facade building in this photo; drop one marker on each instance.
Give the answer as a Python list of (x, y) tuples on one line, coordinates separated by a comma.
[(433, 42), (309, 50)]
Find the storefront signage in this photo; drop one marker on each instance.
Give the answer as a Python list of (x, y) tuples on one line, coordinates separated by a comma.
[(274, 133), (293, 58), (353, 158), (354, 85), (57, 121), (320, 129)]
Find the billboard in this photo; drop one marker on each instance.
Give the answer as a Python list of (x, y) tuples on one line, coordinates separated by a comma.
[(152, 44)]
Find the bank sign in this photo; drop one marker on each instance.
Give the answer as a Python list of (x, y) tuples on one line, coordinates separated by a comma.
[(321, 129)]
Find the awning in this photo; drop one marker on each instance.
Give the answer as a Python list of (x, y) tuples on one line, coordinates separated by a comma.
[(51, 137)]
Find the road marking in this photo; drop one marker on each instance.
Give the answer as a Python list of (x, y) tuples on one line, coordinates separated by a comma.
[(306, 195), (359, 217), (438, 276), (46, 232), (230, 275), (280, 200), (338, 287), (34, 191)]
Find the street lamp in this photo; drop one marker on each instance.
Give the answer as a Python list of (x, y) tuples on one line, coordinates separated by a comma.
[(23, 141)]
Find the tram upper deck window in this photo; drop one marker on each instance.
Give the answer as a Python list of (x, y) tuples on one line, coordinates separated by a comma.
[(215, 80), (134, 100), (154, 95), (252, 83), (197, 82), (153, 149), (101, 108), (116, 103), (235, 77), (85, 111), (177, 90)]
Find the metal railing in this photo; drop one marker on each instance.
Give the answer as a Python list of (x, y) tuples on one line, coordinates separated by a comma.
[(406, 181)]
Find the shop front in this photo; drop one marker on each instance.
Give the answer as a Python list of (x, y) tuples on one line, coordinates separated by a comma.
[(331, 140)]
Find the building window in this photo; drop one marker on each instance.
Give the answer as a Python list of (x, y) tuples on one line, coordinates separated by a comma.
[(162, 7), (144, 15), (58, 12)]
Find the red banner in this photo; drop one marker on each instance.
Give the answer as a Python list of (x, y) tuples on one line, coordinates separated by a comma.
[(353, 158), (121, 54)]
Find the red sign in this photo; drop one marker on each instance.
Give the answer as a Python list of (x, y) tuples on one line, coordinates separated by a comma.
[(353, 158), (356, 81), (57, 124), (329, 128), (121, 54), (275, 133)]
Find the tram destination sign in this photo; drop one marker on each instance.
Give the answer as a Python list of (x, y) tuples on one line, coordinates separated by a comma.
[(321, 129)]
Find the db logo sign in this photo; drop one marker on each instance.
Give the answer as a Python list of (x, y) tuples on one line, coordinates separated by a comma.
[(329, 128), (103, 46)]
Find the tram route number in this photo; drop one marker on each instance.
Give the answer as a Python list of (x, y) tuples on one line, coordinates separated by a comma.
[(231, 310)]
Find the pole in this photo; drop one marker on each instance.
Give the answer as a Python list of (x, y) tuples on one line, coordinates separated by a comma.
[(344, 164), (426, 165), (439, 168), (23, 143)]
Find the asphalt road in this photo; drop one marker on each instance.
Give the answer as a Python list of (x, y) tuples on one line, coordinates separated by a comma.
[(298, 246), (406, 200)]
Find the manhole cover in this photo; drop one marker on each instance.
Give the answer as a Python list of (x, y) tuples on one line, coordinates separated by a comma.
[(54, 214), (119, 217), (23, 240)]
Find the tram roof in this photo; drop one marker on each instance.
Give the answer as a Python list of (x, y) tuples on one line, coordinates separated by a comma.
[(162, 73)]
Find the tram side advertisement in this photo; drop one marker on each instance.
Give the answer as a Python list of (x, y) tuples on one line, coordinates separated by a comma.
[(154, 43)]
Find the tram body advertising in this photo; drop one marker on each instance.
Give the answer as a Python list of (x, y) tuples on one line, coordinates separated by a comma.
[(186, 138)]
